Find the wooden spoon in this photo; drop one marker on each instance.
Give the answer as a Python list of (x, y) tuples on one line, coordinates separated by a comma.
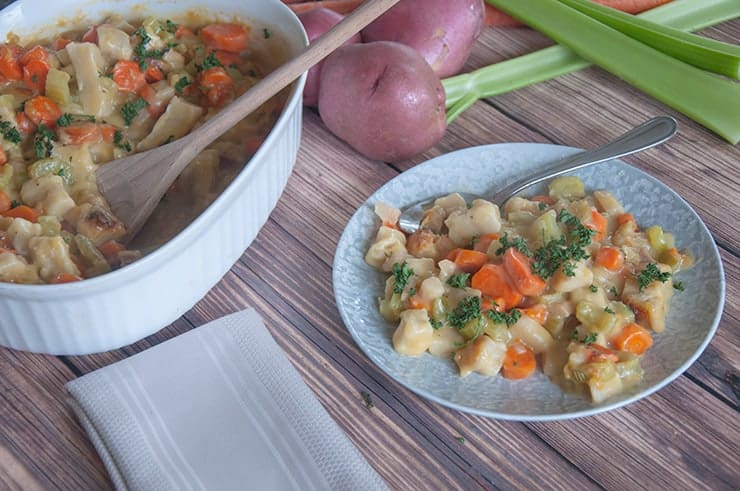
[(133, 186)]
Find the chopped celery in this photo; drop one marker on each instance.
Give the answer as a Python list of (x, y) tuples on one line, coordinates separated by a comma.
[(95, 261), (391, 309), (50, 225), (708, 54), (462, 91), (709, 100), (51, 166)]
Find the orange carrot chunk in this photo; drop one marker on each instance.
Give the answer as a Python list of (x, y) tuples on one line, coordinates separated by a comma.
[(610, 258), (10, 66), (519, 269), (519, 361), (23, 211), (484, 241), (624, 218), (633, 338), (597, 223), (493, 281), (537, 312), (25, 125), (226, 36), (5, 202), (65, 278), (41, 109), (127, 75), (468, 260), (80, 133), (216, 85), (3, 156)]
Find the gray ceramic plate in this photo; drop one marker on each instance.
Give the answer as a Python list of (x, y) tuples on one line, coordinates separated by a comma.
[(693, 318)]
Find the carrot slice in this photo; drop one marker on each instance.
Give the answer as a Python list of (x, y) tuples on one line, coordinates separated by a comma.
[(493, 281), (127, 75), (60, 43), (80, 133), (610, 258), (65, 278), (468, 260), (37, 53), (597, 223), (624, 218), (183, 31), (227, 58), (23, 211), (41, 109), (91, 36), (216, 85), (153, 73), (34, 75), (110, 250), (25, 125), (10, 66), (633, 338), (519, 361), (597, 352), (226, 36), (5, 202), (537, 312), (519, 269), (108, 132), (484, 242), (3, 156)]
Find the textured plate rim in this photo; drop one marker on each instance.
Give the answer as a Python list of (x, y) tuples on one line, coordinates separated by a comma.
[(596, 409)]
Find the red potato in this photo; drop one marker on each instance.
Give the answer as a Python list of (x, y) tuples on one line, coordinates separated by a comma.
[(317, 22), (383, 99), (443, 31)]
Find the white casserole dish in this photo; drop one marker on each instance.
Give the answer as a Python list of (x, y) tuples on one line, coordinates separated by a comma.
[(128, 304)]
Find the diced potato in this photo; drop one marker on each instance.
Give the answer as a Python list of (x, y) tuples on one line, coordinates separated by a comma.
[(388, 214), (414, 333), (422, 266), (545, 228), (424, 243), (606, 202), (431, 288), (567, 187), (389, 245), (15, 269), (481, 218), (445, 341), (114, 44), (178, 119), (450, 203), (531, 333), (51, 254), (582, 277), (484, 356), (650, 304), (49, 194), (20, 232)]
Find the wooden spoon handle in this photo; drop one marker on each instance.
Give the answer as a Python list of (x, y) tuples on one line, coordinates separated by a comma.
[(281, 77)]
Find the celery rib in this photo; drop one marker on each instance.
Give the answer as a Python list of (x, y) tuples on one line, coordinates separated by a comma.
[(709, 100), (548, 63), (705, 53)]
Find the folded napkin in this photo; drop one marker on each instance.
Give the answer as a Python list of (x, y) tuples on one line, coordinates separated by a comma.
[(219, 407)]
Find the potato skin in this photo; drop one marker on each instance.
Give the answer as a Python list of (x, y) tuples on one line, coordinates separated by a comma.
[(316, 22), (383, 99), (443, 31)]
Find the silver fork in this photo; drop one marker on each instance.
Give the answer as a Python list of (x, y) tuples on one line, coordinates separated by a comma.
[(647, 135)]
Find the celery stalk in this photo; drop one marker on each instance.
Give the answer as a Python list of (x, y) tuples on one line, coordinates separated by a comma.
[(464, 90), (705, 53), (709, 100)]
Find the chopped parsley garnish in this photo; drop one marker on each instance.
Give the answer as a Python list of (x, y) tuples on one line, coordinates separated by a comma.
[(579, 232), (181, 83), (593, 288), (266, 33), (613, 290), (542, 206), (466, 310), (10, 133), (130, 110), (15, 203), (67, 119), (170, 26), (367, 399), (120, 142), (435, 324), (412, 292), (401, 274), (608, 310), (141, 49), (509, 318), (209, 61), (458, 280), (678, 285), (518, 243), (590, 338), (559, 253), (43, 141), (650, 274)]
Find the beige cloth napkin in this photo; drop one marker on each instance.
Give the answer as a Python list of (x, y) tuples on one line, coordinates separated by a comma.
[(218, 408)]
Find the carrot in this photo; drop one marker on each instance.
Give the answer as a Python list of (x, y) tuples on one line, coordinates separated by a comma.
[(153, 73), (25, 125), (5, 202), (108, 132), (3, 157), (597, 223), (41, 109), (127, 75), (492, 280), (23, 211), (156, 105), (468, 260), (543, 198), (633, 338), (60, 43), (610, 258), (484, 242), (418, 303), (623, 218), (183, 31), (10, 66), (80, 133), (34, 75), (65, 278), (537, 312), (110, 249), (495, 17), (519, 269), (91, 36), (339, 6), (216, 85), (597, 352), (37, 53), (519, 361), (227, 58), (226, 36)]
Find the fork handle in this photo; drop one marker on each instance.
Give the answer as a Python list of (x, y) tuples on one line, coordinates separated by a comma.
[(648, 134)]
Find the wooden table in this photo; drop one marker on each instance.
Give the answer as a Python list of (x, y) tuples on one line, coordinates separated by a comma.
[(685, 436)]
